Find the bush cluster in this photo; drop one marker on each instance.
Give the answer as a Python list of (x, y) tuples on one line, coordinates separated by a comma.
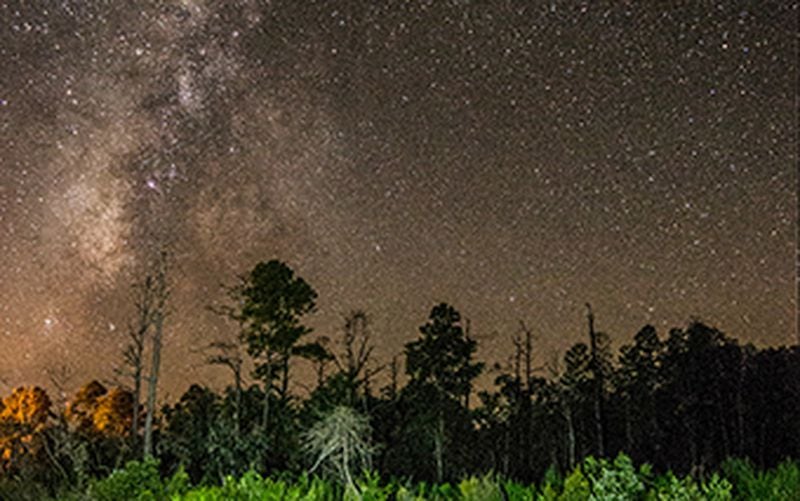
[(594, 479)]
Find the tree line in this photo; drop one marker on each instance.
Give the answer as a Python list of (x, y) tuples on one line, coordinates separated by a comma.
[(683, 401)]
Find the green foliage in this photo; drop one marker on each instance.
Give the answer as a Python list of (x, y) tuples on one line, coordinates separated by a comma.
[(576, 487), (131, 482), (779, 484), (405, 493), (602, 480), (480, 489), (178, 483), (553, 477), (251, 487), (592, 480), (370, 489), (617, 481), (786, 480), (668, 487), (139, 480), (552, 484), (719, 489), (517, 492), (547, 493)]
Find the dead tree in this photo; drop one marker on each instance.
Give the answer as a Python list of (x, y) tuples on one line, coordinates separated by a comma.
[(597, 374), (133, 355), (134, 359), (354, 360), (161, 292), (524, 379), (355, 343), (565, 405), (523, 358)]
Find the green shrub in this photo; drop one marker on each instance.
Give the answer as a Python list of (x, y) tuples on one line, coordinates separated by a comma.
[(517, 492), (717, 489), (747, 483), (404, 493), (576, 487), (437, 492), (669, 487), (480, 489), (780, 484), (140, 481), (370, 488), (592, 480), (617, 481), (548, 493), (554, 478), (252, 487), (786, 481)]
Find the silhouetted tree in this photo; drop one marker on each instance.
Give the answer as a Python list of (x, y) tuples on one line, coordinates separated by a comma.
[(636, 381), (187, 425), (440, 367), (575, 390), (268, 304)]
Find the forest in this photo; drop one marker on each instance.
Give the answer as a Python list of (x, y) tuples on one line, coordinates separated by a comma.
[(687, 414)]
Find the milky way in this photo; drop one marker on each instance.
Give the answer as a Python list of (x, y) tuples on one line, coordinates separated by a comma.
[(515, 159)]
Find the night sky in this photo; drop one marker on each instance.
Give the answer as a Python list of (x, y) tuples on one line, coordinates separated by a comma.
[(515, 159)]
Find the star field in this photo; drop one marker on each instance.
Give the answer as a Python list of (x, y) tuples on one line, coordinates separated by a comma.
[(516, 159)]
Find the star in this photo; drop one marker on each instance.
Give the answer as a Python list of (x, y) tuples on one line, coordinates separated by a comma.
[(514, 169)]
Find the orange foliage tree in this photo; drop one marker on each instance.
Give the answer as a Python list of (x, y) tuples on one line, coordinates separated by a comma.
[(23, 416), (95, 409)]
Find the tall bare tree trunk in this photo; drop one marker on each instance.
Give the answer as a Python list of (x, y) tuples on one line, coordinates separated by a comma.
[(740, 424), (135, 359), (438, 446), (506, 458), (152, 384), (137, 398), (284, 377), (159, 313), (133, 356), (527, 394), (267, 392), (567, 409), (528, 358), (628, 427), (598, 385), (394, 376), (237, 409)]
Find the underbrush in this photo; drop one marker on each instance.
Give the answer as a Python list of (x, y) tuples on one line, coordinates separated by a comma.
[(594, 479)]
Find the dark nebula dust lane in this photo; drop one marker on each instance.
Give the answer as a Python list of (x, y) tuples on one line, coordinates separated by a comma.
[(515, 160)]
